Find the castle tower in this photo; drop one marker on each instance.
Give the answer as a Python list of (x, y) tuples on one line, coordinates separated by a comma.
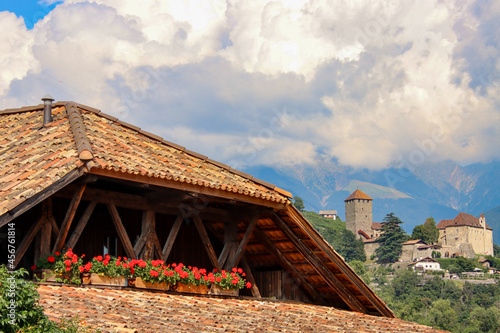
[(358, 213)]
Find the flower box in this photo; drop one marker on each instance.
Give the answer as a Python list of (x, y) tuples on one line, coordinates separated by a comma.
[(191, 288), (48, 275), (140, 283), (97, 279), (217, 290)]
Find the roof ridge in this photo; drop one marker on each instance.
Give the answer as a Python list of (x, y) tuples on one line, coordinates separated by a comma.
[(85, 152)]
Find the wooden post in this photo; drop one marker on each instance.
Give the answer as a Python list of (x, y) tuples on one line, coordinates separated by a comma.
[(122, 233), (241, 248), (68, 219), (30, 235), (231, 240), (206, 241), (171, 238), (45, 238), (246, 268), (81, 225)]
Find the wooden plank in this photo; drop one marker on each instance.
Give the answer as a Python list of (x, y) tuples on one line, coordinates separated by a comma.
[(250, 278), (122, 233), (45, 238), (302, 223), (329, 278), (288, 266), (30, 235), (68, 219), (147, 228), (206, 241), (171, 238), (190, 188), (75, 236), (36, 199), (225, 253), (244, 241)]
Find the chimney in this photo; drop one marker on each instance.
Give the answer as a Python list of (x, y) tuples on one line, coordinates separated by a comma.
[(47, 109)]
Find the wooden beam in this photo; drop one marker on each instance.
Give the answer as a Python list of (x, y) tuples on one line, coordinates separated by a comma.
[(171, 237), (206, 241), (68, 219), (288, 266), (302, 223), (169, 183), (244, 241), (249, 276), (30, 235), (147, 227), (75, 236), (36, 199), (122, 233), (45, 238), (225, 253), (322, 270)]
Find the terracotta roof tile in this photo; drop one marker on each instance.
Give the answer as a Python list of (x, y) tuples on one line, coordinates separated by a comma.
[(112, 310), (462, 219), (358, 194), (32, 154)]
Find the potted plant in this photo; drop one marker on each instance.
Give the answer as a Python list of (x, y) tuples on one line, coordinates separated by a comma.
[(149, 274), (188, 279), (108, 270), (60, 267), (228, 283)]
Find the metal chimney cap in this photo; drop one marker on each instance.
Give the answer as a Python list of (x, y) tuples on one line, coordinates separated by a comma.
[(47, 98)]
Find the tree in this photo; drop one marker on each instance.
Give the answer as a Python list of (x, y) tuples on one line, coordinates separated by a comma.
[(298, 203), (391, 240), (428, 232)]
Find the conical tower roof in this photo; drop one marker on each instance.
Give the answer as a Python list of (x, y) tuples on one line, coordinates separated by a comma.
[(358, 194)]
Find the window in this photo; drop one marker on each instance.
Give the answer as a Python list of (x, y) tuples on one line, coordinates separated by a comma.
[(110, 246)]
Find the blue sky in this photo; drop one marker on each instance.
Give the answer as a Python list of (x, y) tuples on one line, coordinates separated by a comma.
[(370, 84), (31, 10)]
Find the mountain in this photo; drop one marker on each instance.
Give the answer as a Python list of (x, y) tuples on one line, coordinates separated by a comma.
[(440, 190)]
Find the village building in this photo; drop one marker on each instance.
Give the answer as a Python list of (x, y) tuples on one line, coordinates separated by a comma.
[(330, 214), (466, 236), (75, 177), (416, 249), (426, 264)]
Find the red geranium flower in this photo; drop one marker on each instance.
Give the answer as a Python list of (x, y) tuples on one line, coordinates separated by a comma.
[(105, 262), (249, 285), (67, 262), (33, 267), (51, 259), (68, 268), (240, 270), (57, 253), (81, 269)]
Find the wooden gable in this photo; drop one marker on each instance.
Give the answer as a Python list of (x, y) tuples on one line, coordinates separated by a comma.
[(87, 180)]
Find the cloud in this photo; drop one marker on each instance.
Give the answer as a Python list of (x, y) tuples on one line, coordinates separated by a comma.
[(368, 83)]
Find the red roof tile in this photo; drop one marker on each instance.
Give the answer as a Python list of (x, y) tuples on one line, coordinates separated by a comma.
[(68, 142), (462, 219), (118, 310), (358, 194)]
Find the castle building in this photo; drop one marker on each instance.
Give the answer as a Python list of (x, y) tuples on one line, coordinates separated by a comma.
[(359, 220), (466, 236), (358, 214), (330, 214)]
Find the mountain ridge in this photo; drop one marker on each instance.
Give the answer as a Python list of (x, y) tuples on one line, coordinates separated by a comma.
[(437, 189)]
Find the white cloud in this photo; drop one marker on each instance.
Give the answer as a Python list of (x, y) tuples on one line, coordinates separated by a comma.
[(366, 82)]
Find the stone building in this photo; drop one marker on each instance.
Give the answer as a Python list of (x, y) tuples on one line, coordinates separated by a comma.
[(359, 220), (358, 214), (466, 236)]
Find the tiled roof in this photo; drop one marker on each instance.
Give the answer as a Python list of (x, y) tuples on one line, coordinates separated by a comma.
[(377, 225), (413, 242), (129, 310), (34, 157), (358, 194), (462, 219)]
